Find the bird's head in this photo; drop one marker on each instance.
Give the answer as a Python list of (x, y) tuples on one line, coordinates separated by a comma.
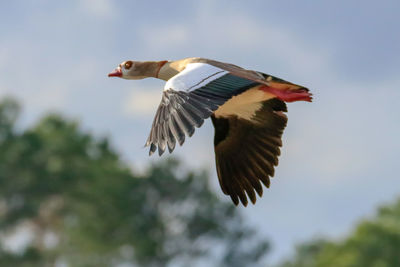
[(136, 70)]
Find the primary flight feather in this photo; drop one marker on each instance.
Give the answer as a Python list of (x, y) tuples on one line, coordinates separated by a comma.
[(246, 108)]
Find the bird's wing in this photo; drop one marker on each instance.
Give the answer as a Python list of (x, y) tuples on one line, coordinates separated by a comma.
[(259, 77), (246, 151), (188, 98)]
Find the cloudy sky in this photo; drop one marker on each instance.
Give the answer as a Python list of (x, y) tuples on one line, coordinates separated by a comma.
[(341, 153)]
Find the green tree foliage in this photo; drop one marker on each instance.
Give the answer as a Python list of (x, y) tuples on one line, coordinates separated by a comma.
[(84, 207), (374, 243)]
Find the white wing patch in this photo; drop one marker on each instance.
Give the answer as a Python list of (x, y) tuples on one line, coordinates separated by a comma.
[(194, 76)]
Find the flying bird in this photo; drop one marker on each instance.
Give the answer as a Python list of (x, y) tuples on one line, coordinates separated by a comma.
[(247, 109)]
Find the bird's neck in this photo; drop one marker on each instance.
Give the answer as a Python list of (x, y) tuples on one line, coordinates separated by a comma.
[(167, 70)]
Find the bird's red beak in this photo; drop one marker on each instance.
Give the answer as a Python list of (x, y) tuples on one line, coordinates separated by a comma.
[(115, 73)]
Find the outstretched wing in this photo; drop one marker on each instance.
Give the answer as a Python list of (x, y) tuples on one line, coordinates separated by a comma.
[(188, 98), (247, 151)]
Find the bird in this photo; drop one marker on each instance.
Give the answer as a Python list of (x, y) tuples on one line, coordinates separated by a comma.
[(247, 109)]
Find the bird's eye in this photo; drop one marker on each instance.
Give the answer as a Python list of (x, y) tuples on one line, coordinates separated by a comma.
[(128, 65)]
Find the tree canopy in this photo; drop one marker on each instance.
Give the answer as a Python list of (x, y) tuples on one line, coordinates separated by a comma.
[(374, 242), (83, 206)]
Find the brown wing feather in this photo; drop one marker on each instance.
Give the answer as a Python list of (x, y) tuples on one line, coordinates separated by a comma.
[(233, 69), (247, 151)]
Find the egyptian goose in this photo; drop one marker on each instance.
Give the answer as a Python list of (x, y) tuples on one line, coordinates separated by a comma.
[(246, 108)]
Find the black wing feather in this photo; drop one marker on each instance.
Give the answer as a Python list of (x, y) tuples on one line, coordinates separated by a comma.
[(247, 151)]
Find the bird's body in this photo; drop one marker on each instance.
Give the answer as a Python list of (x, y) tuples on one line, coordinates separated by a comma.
[(246, 107)]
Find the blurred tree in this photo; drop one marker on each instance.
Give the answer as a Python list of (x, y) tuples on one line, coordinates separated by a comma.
[(80, 205), (374, 243)]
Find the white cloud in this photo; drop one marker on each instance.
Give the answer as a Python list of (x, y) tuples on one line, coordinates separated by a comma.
[(141, 103), (52, 95), (165, 36), (342, 134), (240, 39), (98, 8)]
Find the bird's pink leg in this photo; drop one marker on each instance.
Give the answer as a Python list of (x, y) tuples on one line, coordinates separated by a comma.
[(289, 95)]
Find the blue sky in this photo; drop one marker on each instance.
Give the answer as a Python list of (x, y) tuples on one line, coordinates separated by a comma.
[(341, 153)]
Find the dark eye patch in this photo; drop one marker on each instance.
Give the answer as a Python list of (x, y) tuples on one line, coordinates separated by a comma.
[(128, 65)]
